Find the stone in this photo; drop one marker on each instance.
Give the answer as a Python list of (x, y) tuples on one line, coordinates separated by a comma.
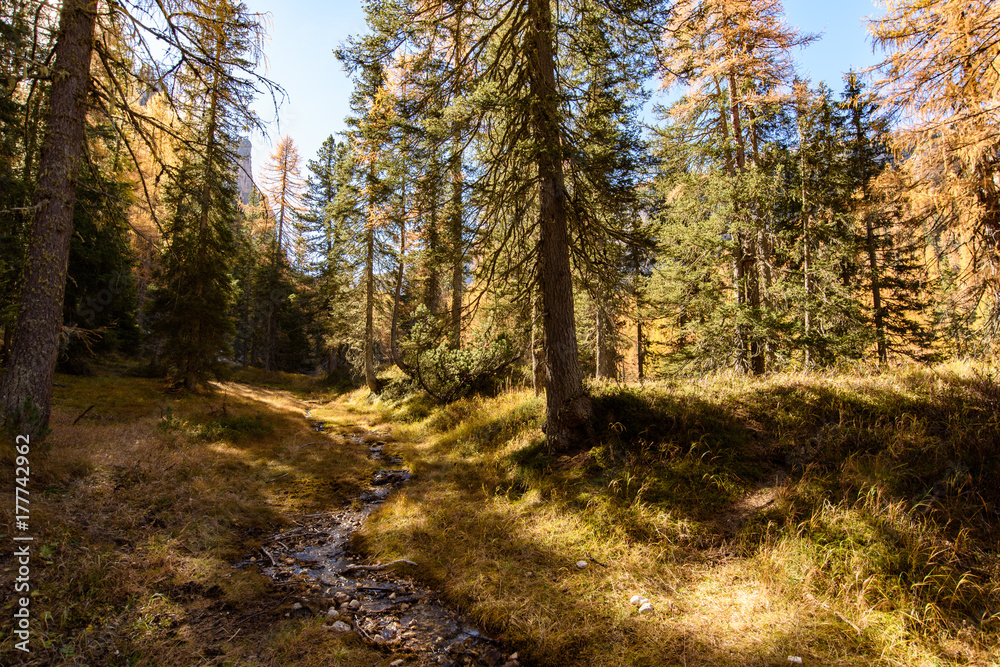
[(397, 663), (341, 596), (636, 600), (354, 604), (646, 608), (392, 596), (296, 606), (581, 564), (340, 626), (332, 612), (403, 607)]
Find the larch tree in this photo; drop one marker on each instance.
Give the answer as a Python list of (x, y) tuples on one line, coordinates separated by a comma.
[(941, 75), (282, 182), (190, 307)]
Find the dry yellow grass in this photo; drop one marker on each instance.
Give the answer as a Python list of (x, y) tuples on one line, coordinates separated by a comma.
[(139, 510), (802, 515)]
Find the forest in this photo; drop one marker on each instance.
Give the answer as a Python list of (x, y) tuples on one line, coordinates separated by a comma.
[(606, 330)]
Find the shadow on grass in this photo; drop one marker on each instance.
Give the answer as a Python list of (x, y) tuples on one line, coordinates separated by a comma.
[(141, 505), (888, 489)]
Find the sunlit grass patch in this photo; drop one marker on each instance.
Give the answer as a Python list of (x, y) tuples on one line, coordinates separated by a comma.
[(141, 506), (847, 520)]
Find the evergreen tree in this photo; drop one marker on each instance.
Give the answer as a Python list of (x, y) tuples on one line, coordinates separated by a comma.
[(190, 308)]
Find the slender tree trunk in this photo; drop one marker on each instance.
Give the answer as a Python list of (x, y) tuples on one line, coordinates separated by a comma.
[(807, 314), (640, 348), (568, 409), (432, 281), (369, 341), (394, 330), (35, 346), (605, 344), (456, 228), (870, 243), (876, 289), (746, 269)]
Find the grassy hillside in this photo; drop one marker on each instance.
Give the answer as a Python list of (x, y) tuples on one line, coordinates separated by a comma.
[(847, 520), (844, 519)]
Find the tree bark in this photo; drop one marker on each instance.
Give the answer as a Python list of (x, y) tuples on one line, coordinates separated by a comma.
[(537, 348), (746, 265), (456, 227), (605, 344), (568, 411), (369, 342), (27, 382), (397, 296)]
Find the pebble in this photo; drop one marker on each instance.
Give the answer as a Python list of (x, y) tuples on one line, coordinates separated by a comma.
[(581, 564), (392, 596), (354, 604), (396, 663), (636, 600), (296, 606), (341, 596), (646, 608), (340, 626), (332, 612)]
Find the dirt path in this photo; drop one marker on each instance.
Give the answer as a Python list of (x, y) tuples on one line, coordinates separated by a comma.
[(377, 601)]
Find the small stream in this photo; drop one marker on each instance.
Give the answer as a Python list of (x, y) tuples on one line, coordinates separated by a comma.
[(381, 605)]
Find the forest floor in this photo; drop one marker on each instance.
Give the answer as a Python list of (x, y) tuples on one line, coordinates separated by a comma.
[(843, 519)]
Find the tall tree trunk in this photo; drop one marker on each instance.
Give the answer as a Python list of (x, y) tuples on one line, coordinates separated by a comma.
[(369, 341), (746, 265), (870, 241), (605, 343), (807, 278), (35, 347), (456, 227), (640, 348), (394, 330), (568, 411)]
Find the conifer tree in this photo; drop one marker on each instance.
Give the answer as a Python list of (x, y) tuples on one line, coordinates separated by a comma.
[(523, 149), (940, 73), (191, 304), (330, 201)]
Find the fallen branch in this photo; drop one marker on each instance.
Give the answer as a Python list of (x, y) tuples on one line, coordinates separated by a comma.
[(269, 556), (82, 414), (594, 560), (275, 479), (377, 568)]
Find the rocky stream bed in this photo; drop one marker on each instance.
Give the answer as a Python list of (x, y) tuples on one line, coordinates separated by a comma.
[(376, 601)]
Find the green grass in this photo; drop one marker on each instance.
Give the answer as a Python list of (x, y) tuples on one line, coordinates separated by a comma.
[(849, 520)]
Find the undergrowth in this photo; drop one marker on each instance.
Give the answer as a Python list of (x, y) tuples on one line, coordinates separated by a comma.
[(847, 520)]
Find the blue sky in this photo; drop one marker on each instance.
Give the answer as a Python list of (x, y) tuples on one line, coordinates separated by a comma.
[(305, 32)]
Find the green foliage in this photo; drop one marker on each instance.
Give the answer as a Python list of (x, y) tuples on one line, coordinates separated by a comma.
[(189, 306), (446, 373), (100, 304)]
